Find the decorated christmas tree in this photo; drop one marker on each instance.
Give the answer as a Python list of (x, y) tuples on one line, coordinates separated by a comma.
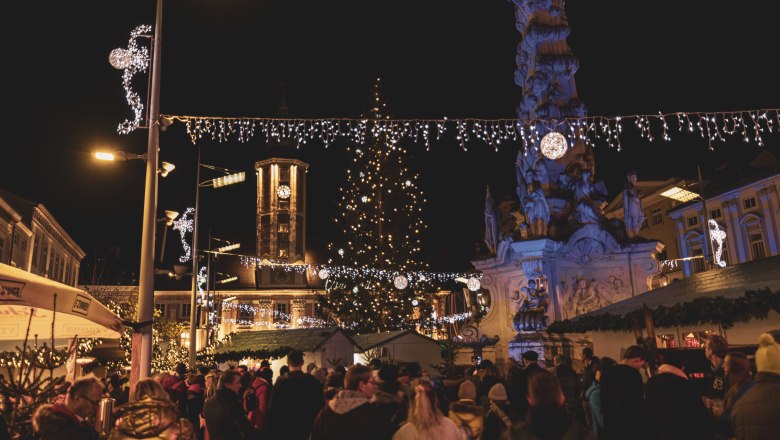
[(373, 283)]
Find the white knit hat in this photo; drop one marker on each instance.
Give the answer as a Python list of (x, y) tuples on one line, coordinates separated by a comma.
[(768, 354)]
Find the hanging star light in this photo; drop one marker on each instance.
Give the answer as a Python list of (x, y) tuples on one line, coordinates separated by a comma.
[(553, 145), (401, 282), (323, 274), (718, 235), (132, 60)]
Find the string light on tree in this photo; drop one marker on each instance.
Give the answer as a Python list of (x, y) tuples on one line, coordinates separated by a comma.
[(132, 60)]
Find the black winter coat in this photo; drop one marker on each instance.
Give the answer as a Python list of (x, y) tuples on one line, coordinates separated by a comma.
[(756, 415), (295, 402), (225, 417), (350, 416), (622, 401), (675, 410)]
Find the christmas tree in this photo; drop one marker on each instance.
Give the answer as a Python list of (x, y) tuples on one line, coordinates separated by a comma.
[(374, 284)]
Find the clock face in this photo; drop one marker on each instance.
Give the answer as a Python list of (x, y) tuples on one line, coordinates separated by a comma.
[(283, 192)]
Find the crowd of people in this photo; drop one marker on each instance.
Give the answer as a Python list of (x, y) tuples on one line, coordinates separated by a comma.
[(603, 398)]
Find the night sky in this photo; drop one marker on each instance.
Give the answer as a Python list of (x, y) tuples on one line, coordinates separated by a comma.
[(436, 58)]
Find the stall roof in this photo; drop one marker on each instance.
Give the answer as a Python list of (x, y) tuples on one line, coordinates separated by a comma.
[(303, 339), (370, 340)]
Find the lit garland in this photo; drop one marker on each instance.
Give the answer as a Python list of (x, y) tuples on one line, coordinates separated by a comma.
[(132, 60), (675, 263), (184, 225), (328, 271), (749, 125), (718, 236)]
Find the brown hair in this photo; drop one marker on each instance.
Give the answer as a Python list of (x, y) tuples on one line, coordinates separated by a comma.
[(82, 385), (544, 389), (356, 375), (227, 377), (718, 345)]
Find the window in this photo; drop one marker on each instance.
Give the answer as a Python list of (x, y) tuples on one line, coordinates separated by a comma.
[(52, 267), (36, 245), (695, 249), (644, 224), (284, 204), (698, 263), (749, 203), (44, 255), (16, 239), (657, 216), (160, 308), (24, 244), (284, 227), (284, 175), (280, 311), (2, 245), (715, 213), (693, 221), (246, 312), (185, 310), (755, 234)]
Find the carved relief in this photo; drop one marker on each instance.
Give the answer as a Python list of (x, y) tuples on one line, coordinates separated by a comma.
[(583, 295)]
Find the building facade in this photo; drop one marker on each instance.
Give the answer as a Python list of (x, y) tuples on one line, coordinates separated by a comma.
[(32, 239)]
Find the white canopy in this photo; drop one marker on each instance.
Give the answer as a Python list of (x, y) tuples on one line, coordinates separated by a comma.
[(78, 314)]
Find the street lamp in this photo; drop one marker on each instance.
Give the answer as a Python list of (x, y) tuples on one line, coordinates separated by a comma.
[(229, 178), (170, 216)]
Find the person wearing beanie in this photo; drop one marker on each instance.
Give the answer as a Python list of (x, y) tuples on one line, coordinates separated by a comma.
[(500, 416), (518, 382), (757, 414), (466, 413)]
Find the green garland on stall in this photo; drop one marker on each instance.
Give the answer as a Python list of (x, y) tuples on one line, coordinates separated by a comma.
[(755, 304), (260, 353)]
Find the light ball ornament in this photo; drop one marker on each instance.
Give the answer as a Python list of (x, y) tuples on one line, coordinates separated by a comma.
[(120, 58), (415, 302), (473, 284), (554, 145), (323, 274), (401, 282)]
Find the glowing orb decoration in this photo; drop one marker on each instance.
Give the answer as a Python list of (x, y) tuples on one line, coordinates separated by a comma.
[(473, 284), (554, 145), (283, 192), (323, 274), (401, 282), (355, 290), (415, 302), (717, 235), (408, 183), (120, 58), (341, 252), (364, 199)]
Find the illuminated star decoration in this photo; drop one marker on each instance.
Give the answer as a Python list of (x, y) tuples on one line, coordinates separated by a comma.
[(718, 235), (132, 60), (184, 225)]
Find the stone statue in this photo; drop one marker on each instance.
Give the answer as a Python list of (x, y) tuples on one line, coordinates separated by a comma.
[(632, 206), (588, 197), (537, 210), (502, 249), (532, 310), (491, 223)]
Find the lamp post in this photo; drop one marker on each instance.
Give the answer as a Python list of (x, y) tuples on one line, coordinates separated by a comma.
[(229, 178)]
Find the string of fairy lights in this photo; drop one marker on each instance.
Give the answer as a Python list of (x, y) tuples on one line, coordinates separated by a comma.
[(133, 60), (713, 127)]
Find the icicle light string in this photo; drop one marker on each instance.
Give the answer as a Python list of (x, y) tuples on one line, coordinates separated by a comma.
[(326, 271), (749, 125)]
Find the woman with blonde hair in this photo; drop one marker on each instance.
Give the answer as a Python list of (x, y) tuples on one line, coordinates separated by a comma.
[(425, 419), (151, 415)]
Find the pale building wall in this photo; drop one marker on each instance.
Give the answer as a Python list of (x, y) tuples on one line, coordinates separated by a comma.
[(410, 348)]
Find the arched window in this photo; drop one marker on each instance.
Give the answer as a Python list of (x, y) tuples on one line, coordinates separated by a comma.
[(754, 232)]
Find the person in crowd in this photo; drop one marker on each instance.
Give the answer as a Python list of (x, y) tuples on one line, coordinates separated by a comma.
[(333, 384), (389, 398), (351, 414), (488, 376), (283, 372), (247, 377), (547, 417), (225, 417), (737, 368), (466, 413), (622, 397), (295, 401), (320, 374), (375, 364), (589, 362), (151, 415), (518, 383), (404, 380), (756, 415), (176, 387), (73, 420), (425, 420), (674, 408), (196, 397), (593, 394), (211, 384), (256, 401), (570, 384), (500, 416), (715, 350)]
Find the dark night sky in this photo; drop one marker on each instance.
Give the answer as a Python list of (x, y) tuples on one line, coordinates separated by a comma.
[(436, 57)]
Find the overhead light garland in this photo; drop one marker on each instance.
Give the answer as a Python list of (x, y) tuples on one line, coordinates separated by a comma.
[(675, 263), (132, 60), (714, 127), (327, 271)]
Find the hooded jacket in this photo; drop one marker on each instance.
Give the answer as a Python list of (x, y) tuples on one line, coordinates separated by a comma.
[(351, 415), (755, 415), (468, 416), (151, 419)]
